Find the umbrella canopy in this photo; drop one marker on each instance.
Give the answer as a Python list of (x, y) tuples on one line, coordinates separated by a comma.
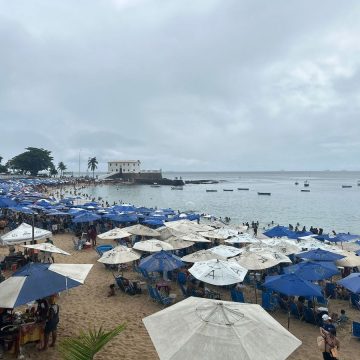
[(23, 233), (214, 234), (283, 246), (271, 253), (36, 281), (225, 251), (141, 230), (201, 255), (195, 238), (113, 234), (187, 226), (351, 282), (198, 328), (320, 255), (161, 261), (119, 255), (218, 272), (178, 243), (313, 270), (47, 247), (85, 217), (242, 239), (254, 261), (292, 285), (152, 245), (349, 260), (341, 237), (279, 231)]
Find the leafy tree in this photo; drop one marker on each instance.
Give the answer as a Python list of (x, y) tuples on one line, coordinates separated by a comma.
[(31, 161), (61, 167), (3, 168), (53, 170), (92, 164), (87, 344)]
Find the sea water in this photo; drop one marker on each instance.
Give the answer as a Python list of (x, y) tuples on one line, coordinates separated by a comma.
[(327, 205)]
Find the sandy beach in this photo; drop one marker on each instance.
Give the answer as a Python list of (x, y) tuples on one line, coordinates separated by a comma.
[(88, 305)]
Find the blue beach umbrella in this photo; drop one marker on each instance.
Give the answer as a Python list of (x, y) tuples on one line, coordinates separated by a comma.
[(342, 237), (313, 270), (161, 261), (320, 255), (292, 285), (6, 202), (36, 281), (86, 217), (279, 231), (351, 282)]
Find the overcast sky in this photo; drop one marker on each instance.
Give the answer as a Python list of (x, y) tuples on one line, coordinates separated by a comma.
[(183, 85)]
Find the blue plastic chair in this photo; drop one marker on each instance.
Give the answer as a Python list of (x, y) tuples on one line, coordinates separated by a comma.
[(355, 300), (330, 290), (268, 302), (237, 296), (294, 311), (355, 329), (321, 300), (162, 299), (100, 249), (309, 315), (181, 278)]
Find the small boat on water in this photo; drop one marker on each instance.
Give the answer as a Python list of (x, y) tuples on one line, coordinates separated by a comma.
[(228, 189), (296, 183), (306, 183), (245, 189), (177, 188), (305, 190), (264, 193), (211, 190), (346, 186), (155, 185)]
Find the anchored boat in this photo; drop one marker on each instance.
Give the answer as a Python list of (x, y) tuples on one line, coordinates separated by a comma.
[(264, 193)]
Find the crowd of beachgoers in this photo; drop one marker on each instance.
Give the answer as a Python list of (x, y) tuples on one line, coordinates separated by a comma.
[(324, 267)]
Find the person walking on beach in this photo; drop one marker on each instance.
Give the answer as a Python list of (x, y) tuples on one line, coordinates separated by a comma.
[(332, 344)]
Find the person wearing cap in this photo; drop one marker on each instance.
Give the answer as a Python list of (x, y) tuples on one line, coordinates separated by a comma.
[(326, 323)]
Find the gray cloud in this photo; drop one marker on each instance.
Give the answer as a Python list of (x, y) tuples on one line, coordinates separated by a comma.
[(183, 85)]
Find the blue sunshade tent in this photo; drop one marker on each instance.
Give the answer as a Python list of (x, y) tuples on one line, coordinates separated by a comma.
[(292, 285), (351, 282), (86, 217), (36, 281), (313, 270), (342, 237), (161, 261), (320, 255), (278, 231)]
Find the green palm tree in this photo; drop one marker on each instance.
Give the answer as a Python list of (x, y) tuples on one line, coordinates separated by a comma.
[(87, 344), (61, 167), (92, 164)]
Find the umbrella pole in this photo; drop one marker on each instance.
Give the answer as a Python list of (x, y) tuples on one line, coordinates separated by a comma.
[(32, 228), (288, 320)]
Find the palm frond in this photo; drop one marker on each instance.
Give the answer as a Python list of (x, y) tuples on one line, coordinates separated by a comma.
[(87, 344)]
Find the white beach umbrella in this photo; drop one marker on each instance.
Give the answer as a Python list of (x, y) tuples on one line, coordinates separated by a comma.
[(350, 260), (152, 245), (277, 246), (226, 232), (254, 261), (48, 247), (119, 255), (141, 230), (242, 239), (198, 328), (201, 255), (113, 234), (225, 251), (218, 272), (195, 238), (178, 243), (187, 226), (214, 234), (23, 233)]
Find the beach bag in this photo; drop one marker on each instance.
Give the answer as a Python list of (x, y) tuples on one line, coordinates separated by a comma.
[(321, 343), (334, 353)]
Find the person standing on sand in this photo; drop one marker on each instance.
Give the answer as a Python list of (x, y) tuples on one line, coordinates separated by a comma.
[(51, 324), (332, 344)]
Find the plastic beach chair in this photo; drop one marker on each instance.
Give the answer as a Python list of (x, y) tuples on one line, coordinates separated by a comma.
[(162, 299), (267, 302), (309, 315), (237, 296), (100, 249), (355, 329), (355, 301), (330, 290), (294, 311)]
